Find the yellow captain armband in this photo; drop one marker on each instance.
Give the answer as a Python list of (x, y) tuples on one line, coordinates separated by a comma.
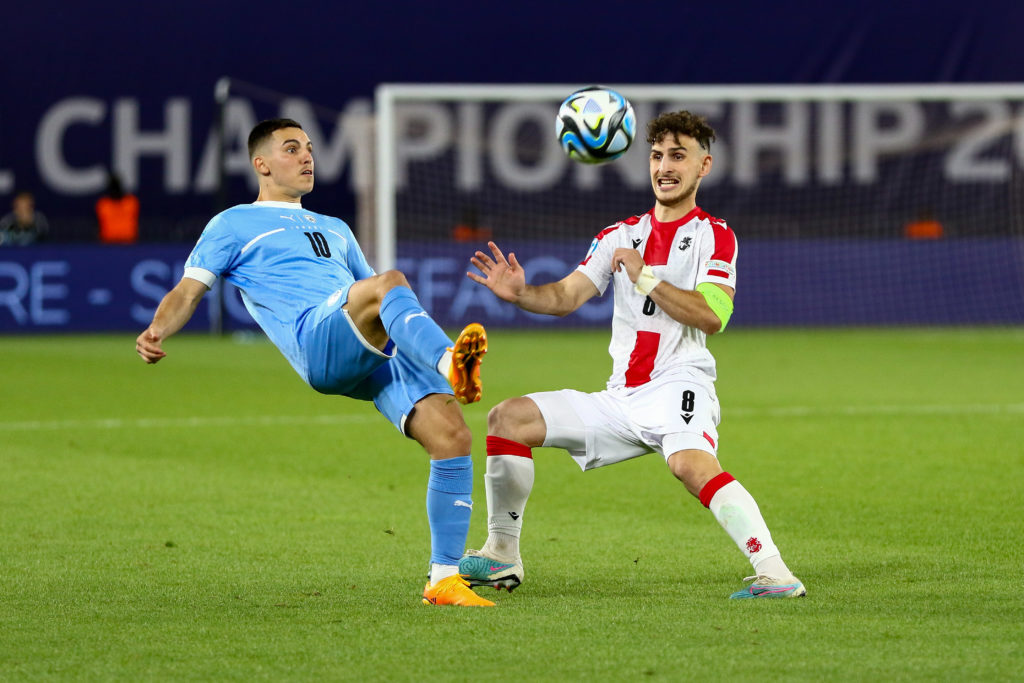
[(718, 301)]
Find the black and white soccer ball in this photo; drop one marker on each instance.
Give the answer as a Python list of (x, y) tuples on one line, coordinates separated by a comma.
[(595, 125)]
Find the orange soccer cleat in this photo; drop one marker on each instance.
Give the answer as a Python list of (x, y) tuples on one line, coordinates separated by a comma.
[(464, 374), (454, 590)]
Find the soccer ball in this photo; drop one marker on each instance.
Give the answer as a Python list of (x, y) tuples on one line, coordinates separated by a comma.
[(595, 125)]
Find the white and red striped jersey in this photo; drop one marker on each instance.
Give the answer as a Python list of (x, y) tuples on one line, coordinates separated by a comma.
[(646, 343)]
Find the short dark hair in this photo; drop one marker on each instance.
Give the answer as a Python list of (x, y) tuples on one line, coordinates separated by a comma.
[(264, 129), (678, 123)]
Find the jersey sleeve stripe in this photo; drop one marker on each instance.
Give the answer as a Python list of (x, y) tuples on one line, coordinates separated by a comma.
[(725, 243), (202, 275)]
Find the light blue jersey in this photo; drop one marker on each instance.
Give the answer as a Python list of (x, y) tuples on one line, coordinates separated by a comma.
[(286, 260), (295, 268)]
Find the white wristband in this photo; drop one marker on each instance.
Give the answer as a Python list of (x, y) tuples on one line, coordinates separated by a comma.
[(646, 281)]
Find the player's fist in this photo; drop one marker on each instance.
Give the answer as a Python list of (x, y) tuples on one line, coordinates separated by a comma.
[(147, 345), (628, 259)]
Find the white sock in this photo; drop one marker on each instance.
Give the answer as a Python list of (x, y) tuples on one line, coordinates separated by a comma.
[(445, 364), (439, 572), (508, 482), (502, 547), (736, 511)]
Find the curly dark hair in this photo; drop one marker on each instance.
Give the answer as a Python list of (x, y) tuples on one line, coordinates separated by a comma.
[(678, 123), (264, 129)]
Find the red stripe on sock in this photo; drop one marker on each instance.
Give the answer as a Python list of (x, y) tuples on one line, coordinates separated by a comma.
[(499, 446), (711, 488)]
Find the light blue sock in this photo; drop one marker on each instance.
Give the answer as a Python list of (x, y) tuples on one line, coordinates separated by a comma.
[(449, 507), (413, 331)]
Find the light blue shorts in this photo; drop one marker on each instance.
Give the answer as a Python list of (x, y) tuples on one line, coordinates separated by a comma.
[(341, 362)]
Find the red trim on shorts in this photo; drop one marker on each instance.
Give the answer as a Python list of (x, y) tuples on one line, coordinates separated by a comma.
[(499, 446), (641, 360), (712, 487), (710, 440)]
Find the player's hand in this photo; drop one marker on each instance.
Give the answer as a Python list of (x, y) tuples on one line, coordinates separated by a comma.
[(147, 345), (505, 277), (630, 259)]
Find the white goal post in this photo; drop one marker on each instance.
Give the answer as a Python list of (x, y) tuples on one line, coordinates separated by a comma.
[(808, 165)]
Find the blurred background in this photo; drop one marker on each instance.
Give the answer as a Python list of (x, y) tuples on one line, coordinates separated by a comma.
[(122, 131)]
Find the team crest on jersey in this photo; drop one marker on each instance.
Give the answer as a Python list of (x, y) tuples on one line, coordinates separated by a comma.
[(311, 219), (685, 243)]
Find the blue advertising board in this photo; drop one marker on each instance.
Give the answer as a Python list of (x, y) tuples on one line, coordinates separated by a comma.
[(79, 288)]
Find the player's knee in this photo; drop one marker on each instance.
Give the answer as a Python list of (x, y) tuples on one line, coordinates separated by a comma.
[(390, 279), (438, 425), (499, 420), (455, 438), (515, 419), (694, 468), (444, 438)]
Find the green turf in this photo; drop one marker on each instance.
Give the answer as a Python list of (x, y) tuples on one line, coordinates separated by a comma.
[(211, 518)]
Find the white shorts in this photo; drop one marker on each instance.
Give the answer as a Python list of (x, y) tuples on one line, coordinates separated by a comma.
[(664, 416)]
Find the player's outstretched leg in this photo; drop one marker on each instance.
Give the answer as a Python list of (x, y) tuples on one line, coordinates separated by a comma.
[(453, 591), (765, 587), (737, 512), (483, 570), (467, 353)]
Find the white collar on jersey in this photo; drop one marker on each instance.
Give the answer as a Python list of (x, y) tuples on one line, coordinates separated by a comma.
[(280, 205)]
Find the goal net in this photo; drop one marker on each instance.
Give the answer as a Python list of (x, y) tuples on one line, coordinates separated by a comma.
[(852, 205)]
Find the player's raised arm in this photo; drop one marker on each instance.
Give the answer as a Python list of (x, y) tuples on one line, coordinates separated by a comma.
[(175, 309), (507, 279)]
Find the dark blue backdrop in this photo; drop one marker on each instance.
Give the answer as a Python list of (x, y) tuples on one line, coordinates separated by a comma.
[(332, 53)]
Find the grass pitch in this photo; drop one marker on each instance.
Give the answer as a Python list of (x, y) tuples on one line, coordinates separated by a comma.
[(212, 518)]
